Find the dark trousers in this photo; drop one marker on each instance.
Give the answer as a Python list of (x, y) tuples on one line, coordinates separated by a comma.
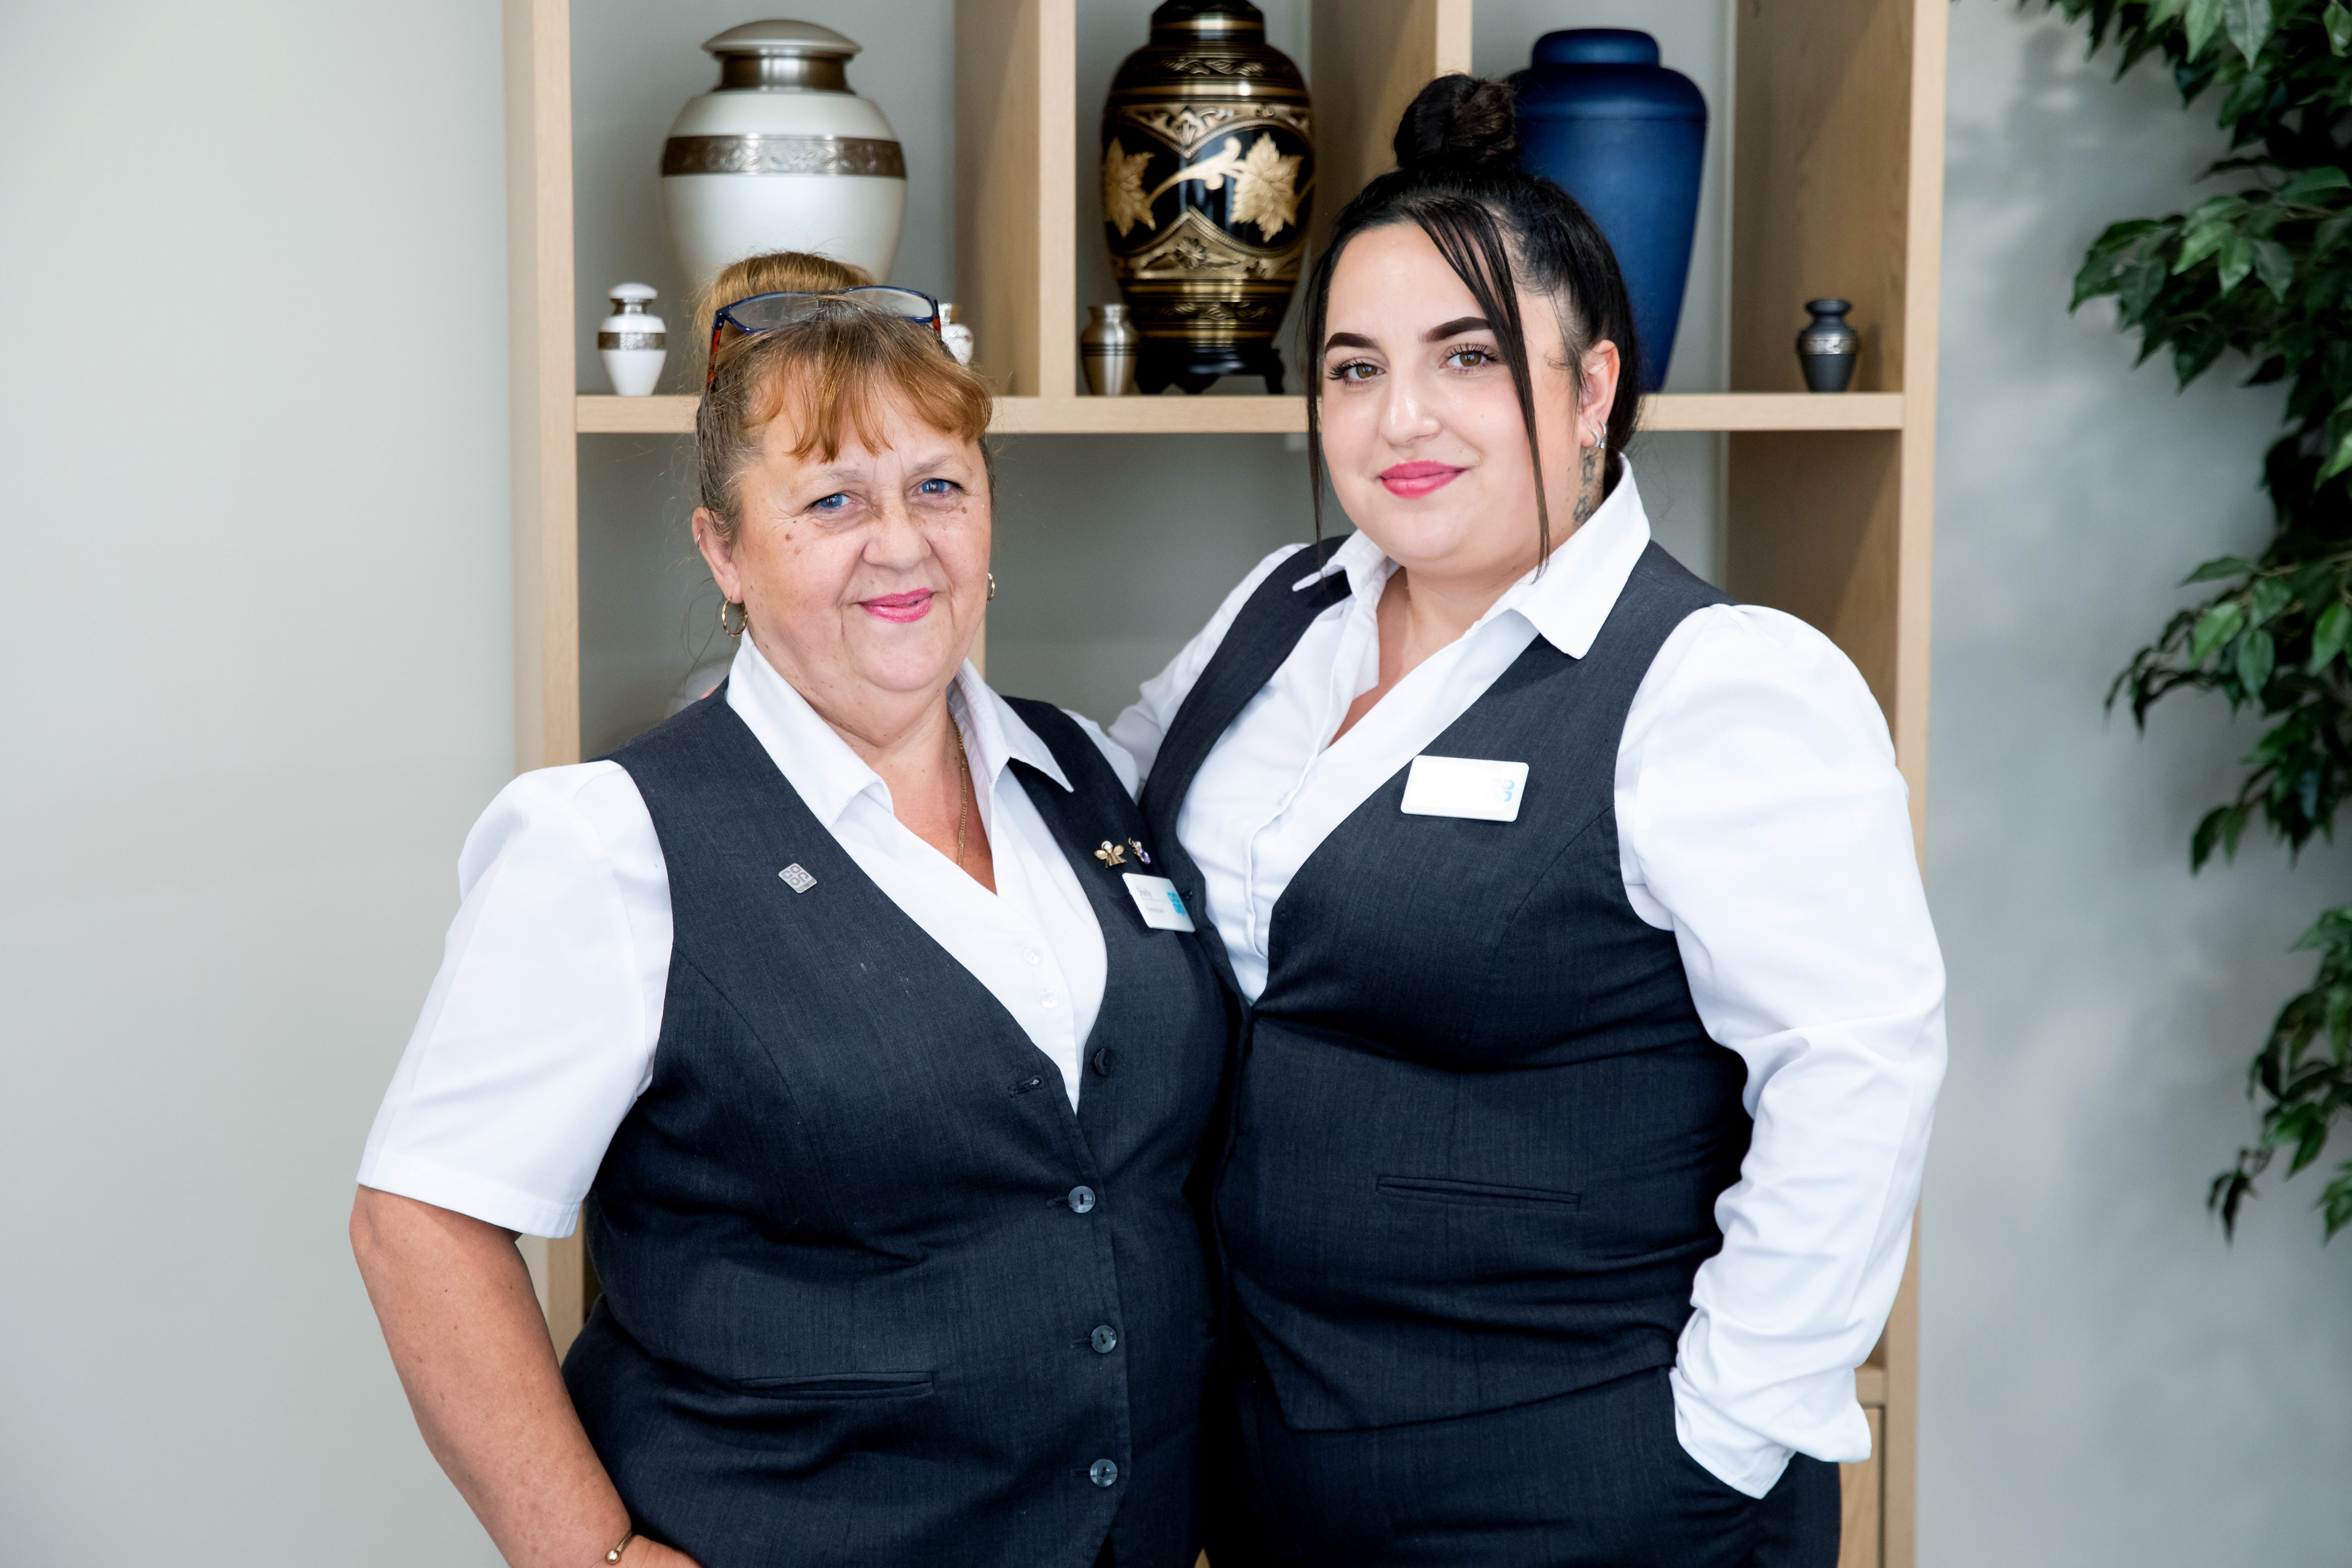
[(1595, 1478)]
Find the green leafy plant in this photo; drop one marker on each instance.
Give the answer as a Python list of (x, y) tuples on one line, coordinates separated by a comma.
[(2265, 273)]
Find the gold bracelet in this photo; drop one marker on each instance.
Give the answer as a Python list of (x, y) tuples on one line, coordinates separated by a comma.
[(621, 1545)]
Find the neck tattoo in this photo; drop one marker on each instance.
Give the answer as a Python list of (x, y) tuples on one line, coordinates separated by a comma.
[(1588, 493)]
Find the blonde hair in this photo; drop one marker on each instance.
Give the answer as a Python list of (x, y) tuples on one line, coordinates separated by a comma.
[(832, 375)]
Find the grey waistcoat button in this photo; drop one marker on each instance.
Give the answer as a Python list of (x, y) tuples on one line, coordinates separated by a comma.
[(1081, 1199), (1104, 1339), (1102, 1472)]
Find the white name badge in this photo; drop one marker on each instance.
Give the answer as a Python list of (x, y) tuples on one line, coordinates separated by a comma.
[(1465, 787), (1162, 906)]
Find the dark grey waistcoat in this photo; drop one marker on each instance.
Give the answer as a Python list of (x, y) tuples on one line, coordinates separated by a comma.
[(873, 1294), (1479, 1130)]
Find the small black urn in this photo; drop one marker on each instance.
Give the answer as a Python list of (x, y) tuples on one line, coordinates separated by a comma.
[(1828, 346)]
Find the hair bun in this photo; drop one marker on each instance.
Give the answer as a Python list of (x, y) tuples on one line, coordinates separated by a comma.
[(1459, 123)]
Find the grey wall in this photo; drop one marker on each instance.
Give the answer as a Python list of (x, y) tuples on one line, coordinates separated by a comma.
[(255, 630), (2103, 1383), (254, 617)]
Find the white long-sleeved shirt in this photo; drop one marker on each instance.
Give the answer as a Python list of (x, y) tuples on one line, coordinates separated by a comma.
[(1760, 818), (538, 1035)]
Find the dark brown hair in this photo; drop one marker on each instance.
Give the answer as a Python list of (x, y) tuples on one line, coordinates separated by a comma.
[(1459, 178), (832, 376)]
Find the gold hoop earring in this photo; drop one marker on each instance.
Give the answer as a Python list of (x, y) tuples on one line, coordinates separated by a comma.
[(992, 587), (737, 629)]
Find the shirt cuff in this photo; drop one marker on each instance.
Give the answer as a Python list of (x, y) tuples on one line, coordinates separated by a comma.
[(1730, 1452), (492, 1203)]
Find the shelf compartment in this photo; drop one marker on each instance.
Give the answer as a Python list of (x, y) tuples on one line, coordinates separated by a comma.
[(1757, 412), (1742, 411)]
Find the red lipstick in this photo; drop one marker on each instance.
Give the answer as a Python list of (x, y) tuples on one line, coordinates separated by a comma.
[(1409, 480), (899, 608)]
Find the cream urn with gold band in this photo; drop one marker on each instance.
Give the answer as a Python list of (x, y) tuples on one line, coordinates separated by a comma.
[(781, 155)]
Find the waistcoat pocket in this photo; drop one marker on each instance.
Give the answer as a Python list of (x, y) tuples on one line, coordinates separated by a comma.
[(1445, 1190), (841, 1385)]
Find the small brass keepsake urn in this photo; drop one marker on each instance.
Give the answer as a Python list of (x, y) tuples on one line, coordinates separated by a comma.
[(1208, 175)]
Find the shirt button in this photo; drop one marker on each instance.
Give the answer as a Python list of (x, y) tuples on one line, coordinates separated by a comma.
[(1034, 956), (1102, 1472), (1105, 1339), (1081, 1200), (1051, 998), (1105, 1060)]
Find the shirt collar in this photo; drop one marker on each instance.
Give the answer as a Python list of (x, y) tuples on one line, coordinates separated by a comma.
[(827, 776), (1573, 594)]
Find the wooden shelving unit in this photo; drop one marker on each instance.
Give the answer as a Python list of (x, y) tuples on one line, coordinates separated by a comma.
[(1175, 415), (1837, 189)]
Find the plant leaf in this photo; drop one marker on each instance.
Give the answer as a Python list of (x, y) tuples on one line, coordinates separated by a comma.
[(2203, 17), (2257, 656), (2340, 458), (2237, 260), (2330, 636), (2249, 24), (2217, 625), (2274, 267), (2140, 286), (2339, 27), (2213, 571), (2245, 96), (2203, 241), (2212, 209), (2313, 181), (2269, 597), (2336, 1203), (2221, 825)]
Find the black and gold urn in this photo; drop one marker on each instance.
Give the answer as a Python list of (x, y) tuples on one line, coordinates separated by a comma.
[(1208, 172)]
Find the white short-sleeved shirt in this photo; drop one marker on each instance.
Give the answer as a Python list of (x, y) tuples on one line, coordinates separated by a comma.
[(1760, 818), (539, 1032)]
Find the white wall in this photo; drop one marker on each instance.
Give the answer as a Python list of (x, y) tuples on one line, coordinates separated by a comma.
[(2104, 1382), (254, 629), (254, 620)]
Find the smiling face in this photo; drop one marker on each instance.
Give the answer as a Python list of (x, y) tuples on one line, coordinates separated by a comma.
[(1423, 434), (864, 576)]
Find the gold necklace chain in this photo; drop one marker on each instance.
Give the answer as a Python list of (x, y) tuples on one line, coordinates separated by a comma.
[(963, 788)]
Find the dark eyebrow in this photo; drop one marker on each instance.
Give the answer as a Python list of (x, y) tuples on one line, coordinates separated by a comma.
[(1347, 341), (1453, 328)]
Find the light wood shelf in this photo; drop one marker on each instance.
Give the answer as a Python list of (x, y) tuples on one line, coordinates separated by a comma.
[(1173, 414), (1837, 188)]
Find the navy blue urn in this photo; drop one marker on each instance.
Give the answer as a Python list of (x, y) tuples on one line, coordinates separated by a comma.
[(1625, 136)]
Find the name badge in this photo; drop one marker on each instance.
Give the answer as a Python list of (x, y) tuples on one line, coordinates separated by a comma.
[(1162, 906), (1465, 787)]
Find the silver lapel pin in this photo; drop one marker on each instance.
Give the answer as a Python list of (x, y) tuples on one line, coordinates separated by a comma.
[(796, 877)]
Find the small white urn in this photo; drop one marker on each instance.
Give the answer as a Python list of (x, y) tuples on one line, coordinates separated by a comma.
[(782, 156), (633, 344), (955, 334)]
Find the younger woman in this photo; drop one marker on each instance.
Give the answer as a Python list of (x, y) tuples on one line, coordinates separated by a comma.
[(1593, 1017)]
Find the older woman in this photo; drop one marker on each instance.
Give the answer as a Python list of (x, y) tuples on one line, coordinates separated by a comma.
[(848, 1003)]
